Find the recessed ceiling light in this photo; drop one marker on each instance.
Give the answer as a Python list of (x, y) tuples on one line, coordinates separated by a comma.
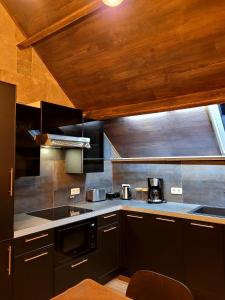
[(112, 3)]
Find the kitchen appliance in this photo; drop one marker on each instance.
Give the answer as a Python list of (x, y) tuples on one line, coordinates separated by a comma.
[(62, 141), (155, 190), (112, 195), (126, 192), (75, 240), (59, 212), (61, 127), (95, 195)]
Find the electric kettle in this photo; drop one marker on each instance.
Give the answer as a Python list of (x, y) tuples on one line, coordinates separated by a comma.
[(126, 192)]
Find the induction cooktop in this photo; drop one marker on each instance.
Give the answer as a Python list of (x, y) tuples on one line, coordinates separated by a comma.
[(59, 212)]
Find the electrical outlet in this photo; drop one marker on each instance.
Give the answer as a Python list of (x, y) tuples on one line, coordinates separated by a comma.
[(74, 191), (176, 191)]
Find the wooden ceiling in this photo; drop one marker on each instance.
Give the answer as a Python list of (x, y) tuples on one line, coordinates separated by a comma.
[(143, 56)]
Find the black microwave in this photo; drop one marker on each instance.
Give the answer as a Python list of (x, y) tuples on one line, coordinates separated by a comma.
[(75, 240)]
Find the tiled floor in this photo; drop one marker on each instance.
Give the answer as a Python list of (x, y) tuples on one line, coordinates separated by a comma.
[(119, 284)]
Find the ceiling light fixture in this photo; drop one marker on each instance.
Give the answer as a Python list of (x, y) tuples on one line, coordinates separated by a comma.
[(112, 3)]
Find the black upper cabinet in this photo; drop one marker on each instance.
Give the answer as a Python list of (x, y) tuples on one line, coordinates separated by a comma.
[(57, 119), (94, 157), (28, 124), (62, 120), (7, 154)]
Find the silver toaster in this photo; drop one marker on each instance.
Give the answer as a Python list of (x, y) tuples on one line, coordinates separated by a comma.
[(95, 195)]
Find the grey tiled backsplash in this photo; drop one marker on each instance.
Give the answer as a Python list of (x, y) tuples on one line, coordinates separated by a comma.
[(52, 187), (137, 174), (202, 184)]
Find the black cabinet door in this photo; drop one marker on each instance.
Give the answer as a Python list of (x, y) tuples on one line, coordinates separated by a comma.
[(204, 260), (28, 125), (167, 246), (5, 270), (94, 157), (109, 248), (33, 275), (62, 120), (136, 242), (7, 153)]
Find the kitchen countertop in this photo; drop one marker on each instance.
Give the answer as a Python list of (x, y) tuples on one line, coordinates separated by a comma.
[(25, 224)]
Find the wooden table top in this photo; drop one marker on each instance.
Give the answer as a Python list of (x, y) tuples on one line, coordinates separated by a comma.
[(90, 290)]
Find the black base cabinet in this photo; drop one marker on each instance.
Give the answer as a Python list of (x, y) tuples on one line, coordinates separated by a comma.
[(166, 237), (33, 266), (5, 270), (109, 246), (136, 243), (33, 275), (204, 257), (68, 275), (190, 251), (152, 243)]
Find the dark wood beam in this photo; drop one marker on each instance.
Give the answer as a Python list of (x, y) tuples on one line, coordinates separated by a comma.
[(164, 104), (59, 25)]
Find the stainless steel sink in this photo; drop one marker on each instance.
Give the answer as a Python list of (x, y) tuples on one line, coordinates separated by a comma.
[(210, 211)]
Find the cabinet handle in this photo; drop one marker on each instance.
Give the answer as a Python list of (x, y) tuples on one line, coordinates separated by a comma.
[(10, 260), (166, 220), (11, 182), (35, 257), (79, 263), (202, 225), (36, 238), (110, 229), (135, 217), (109, 216)]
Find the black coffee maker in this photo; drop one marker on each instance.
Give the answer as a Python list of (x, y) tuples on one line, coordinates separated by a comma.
[(155, 190)]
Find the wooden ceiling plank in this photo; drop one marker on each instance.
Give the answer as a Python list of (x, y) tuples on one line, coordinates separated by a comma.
[(134, 56), (164, 104), (59, 25)]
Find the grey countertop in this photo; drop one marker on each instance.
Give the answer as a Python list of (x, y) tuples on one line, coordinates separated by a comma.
[(25, 224)]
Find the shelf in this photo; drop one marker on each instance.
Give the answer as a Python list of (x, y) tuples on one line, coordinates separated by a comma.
[(177, 159)]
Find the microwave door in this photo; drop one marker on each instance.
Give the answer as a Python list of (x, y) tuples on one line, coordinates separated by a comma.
[(74, 241)]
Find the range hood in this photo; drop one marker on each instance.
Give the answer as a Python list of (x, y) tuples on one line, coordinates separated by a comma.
[(62, 141)]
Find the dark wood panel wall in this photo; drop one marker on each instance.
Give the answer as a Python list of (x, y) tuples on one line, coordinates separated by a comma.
[(175, 133)]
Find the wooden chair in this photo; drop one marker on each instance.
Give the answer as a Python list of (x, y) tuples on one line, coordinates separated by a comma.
[(147, 285)]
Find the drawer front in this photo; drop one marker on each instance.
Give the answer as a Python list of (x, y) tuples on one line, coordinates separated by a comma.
[(33, 275), (109, 218), (33, 241), (70, 274)]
